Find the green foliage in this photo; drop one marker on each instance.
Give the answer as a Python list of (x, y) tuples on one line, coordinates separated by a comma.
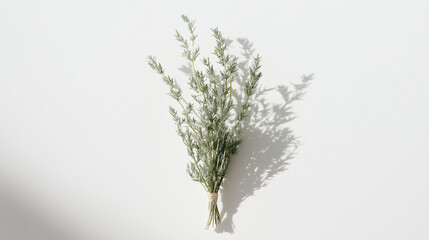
[(209, 126)]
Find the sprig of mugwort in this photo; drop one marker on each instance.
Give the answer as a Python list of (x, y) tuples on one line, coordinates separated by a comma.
[(208, 125)]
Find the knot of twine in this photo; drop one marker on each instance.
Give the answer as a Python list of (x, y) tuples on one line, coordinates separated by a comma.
[(212, 197)]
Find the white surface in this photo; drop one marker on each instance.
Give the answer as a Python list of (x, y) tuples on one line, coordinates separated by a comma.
[(88, 150)]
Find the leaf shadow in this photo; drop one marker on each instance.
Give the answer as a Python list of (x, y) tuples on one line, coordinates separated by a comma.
[(268, 142)]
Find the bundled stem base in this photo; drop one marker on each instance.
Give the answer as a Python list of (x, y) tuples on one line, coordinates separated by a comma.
[(214, 216)]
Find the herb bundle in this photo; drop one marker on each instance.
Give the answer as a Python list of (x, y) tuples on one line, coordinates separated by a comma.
[(210, 125)]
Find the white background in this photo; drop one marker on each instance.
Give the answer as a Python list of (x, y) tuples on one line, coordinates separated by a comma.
[(88, 150)]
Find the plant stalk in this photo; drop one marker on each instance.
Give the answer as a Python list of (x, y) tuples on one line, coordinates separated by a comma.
[(214, 216)]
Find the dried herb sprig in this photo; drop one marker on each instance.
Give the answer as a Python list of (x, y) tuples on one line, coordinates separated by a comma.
[(209, 126)]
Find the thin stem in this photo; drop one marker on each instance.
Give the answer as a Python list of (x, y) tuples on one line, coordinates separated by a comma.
[(192, 151)]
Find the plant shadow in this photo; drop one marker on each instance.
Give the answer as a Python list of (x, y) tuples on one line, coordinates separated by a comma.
[(268, 142)]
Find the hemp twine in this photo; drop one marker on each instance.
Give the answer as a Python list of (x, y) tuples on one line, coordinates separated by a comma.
[(212, 197)]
